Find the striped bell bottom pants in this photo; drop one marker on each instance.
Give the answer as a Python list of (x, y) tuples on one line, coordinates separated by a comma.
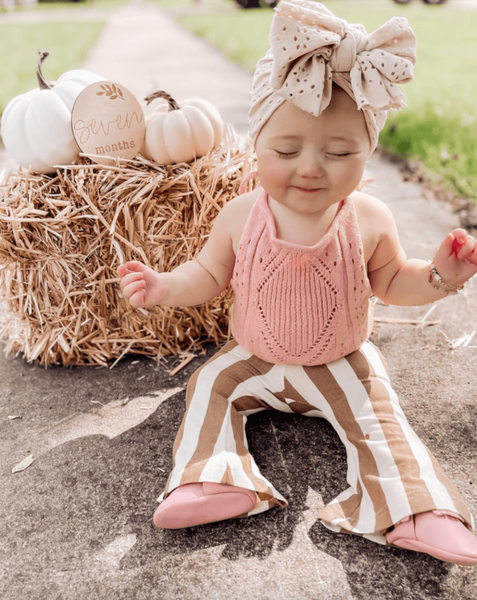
[(391, 473)]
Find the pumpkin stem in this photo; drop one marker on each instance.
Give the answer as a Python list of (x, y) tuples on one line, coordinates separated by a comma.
[(172, 103), (44, 85)]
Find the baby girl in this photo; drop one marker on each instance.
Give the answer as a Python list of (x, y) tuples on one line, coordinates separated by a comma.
[(306, 252)]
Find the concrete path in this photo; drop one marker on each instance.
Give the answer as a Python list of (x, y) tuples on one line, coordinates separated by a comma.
[(146, 51), (76, 524)]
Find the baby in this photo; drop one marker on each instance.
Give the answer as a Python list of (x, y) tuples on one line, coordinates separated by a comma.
[(305, 253)]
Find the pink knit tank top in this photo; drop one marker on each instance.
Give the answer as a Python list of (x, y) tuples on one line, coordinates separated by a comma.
[(295, 304)]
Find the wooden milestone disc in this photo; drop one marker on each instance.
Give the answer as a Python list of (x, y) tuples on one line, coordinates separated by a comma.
[(108, 121)]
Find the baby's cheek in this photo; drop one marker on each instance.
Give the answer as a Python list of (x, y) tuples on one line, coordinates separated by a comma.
[(271, 169)]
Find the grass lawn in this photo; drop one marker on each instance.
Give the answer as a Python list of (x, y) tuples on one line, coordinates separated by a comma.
[(64, 5), (67, 42), (439, 124)]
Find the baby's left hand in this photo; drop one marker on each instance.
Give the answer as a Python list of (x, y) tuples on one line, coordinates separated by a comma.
[(456, 258)]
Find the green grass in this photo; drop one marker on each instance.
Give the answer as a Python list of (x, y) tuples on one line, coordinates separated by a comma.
[(438, 127), (65, 5), (242, 35), (67, 42), (245, 45)]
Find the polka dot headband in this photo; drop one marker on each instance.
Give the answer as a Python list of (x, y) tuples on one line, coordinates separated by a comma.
[(311, 49)]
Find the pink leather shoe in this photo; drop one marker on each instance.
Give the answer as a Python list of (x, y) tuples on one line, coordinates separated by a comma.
[(200, 503), (441, 534)]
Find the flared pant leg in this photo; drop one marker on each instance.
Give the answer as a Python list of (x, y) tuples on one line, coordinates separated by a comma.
[(211, 444), (391, 474)]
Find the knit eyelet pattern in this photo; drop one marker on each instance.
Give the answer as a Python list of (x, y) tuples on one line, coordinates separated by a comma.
[(311, 48), (298, 304)]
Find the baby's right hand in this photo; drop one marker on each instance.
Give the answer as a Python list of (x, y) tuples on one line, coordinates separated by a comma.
[(141, 285)]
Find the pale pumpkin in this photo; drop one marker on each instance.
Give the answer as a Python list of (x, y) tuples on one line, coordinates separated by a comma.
[(36, 126), (176, 134)]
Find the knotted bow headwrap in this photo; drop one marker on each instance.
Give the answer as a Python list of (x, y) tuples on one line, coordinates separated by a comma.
[(311, 48)]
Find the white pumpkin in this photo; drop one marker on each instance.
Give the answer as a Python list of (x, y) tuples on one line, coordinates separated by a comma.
[(36, 126), (183, 133)]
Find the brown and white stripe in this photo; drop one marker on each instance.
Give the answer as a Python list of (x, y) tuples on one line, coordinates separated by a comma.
[(391, 473)]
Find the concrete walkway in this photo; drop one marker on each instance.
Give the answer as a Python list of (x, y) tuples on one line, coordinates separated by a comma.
[(76, 524), (146, 51)]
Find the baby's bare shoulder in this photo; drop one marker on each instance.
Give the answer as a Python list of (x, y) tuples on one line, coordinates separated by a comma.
[(235, 213), (375, 222), (372, 213), (368, 205), (240, 205)]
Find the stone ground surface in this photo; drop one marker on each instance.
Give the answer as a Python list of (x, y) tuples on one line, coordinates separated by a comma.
[(76, 524)]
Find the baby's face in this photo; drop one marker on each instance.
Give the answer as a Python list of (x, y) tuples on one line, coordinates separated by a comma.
[(308, 163)]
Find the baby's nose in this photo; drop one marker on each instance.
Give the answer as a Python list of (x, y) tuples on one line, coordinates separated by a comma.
[(311, 167)]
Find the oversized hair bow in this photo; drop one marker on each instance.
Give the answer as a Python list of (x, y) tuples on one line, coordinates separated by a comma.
[(310, 48)]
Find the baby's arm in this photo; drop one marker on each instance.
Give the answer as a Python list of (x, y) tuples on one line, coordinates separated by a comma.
[(395, 279), (194, 282)]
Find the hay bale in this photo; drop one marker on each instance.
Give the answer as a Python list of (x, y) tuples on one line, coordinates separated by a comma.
[(63, 236)]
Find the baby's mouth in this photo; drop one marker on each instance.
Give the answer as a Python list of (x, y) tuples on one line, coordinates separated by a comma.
[(307, 190)]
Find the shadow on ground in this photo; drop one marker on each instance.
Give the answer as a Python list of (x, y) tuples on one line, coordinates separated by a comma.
[(80, 516)]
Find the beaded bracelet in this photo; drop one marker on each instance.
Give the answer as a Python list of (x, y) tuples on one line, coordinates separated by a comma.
[(439, 284)]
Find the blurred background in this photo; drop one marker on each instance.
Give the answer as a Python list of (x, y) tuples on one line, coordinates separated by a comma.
[(438, 127)]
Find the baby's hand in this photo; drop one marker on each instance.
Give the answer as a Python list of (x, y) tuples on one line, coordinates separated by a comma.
[(456, 258), (141, 285)]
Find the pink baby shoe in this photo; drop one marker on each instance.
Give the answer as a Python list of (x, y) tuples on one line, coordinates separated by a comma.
[(200, 503), (440, 533)]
